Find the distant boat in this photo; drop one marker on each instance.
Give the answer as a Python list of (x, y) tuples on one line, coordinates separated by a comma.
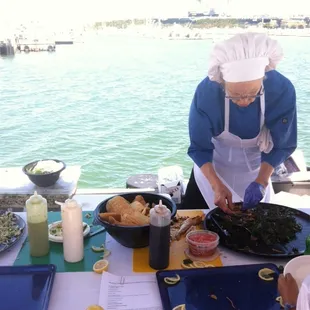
[(64, 42)]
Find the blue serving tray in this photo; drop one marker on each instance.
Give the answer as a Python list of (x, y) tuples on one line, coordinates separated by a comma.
[(26, 287), (241, 284)]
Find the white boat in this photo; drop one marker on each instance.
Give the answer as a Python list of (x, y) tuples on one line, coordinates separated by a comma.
[(295, 178)]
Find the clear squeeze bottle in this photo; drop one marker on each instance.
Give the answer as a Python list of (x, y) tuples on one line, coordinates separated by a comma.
[(160, 220), (36, 208)]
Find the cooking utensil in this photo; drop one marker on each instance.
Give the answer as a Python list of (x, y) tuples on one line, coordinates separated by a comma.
[(98, 231), (224, 231)]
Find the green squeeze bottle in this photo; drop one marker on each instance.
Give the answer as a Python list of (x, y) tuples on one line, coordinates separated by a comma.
[(307, 251), (36, 207)]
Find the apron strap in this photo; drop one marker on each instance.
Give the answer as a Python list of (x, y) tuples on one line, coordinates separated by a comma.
[(262, 110), (226, 115)]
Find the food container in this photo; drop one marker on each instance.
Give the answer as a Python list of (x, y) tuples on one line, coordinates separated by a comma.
[(202, 243), (44, 179)]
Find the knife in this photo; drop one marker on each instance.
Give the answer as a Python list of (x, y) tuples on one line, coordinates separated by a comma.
[(98, 231)]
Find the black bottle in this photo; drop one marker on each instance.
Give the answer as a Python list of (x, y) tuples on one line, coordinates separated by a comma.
[(160, 219)]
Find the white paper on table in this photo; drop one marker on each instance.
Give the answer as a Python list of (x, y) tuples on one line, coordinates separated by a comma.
[(129, 292)]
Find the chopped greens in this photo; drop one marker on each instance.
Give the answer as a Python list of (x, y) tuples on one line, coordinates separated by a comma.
[(56, 230), (270, 225), (8, 228), (45, 167)]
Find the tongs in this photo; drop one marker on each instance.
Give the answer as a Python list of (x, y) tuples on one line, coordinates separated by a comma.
[(225, 232)]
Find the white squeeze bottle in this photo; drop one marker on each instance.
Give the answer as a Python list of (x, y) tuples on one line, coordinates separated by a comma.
[(72, 231)]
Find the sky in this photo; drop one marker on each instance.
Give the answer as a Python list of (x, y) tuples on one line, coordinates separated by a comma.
[(58, 11)]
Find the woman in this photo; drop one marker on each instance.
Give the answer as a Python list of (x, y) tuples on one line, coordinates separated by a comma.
[(242, 124)]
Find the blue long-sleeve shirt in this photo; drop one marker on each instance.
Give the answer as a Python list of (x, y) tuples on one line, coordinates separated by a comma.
[(206, 119)]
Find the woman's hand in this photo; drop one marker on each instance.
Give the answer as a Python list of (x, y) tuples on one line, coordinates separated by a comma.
[(288, 289), (223, 198)]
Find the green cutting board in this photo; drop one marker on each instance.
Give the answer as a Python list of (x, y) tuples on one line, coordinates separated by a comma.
[(56, 256)]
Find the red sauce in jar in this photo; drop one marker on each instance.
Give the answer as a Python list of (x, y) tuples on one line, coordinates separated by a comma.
[(203, 238)]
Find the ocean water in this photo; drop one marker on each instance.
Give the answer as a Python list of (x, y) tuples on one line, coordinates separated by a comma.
[(117, 106)]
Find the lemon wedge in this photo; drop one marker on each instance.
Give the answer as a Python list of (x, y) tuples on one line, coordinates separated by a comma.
[(280, 301), (172, 280), (265, 274), (101, 265), (179, 307), (94, 307), (106, 253), (98, 249), (187, 266)]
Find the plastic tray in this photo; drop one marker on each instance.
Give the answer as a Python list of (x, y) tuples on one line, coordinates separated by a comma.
[(241, 284), (26, 287)]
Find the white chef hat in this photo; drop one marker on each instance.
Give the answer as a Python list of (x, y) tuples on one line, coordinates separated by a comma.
[(303, 301), (244, 57)]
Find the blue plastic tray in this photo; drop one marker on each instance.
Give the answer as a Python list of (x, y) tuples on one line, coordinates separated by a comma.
[(240, 284), (26, 287)]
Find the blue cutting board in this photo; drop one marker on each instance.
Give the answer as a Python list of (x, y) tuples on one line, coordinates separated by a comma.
[(241, 284), (26, 287)]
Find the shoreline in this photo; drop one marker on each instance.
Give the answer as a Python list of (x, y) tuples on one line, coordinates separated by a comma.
[(178, 32)]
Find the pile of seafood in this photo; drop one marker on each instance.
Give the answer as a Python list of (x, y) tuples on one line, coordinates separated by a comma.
[(270, 225), (182, 225)]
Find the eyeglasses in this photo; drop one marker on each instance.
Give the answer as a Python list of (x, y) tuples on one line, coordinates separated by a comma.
[(259, 94)]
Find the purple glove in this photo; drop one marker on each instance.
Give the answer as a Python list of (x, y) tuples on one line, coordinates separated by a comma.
[(253, 195)]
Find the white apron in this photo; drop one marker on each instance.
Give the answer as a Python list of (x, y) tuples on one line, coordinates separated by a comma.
[(236, 161)]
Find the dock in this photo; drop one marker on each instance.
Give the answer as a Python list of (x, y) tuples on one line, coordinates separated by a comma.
[(28, 47)]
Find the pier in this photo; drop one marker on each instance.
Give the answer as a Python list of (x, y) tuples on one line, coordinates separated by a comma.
[(28, 47)]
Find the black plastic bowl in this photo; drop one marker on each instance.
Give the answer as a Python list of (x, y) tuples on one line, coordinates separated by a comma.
[(132, 236), (43, 180)]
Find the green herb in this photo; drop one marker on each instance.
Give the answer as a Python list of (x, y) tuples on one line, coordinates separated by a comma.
[(187, 261), (56, 230), (270, 225), (8, 227)]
